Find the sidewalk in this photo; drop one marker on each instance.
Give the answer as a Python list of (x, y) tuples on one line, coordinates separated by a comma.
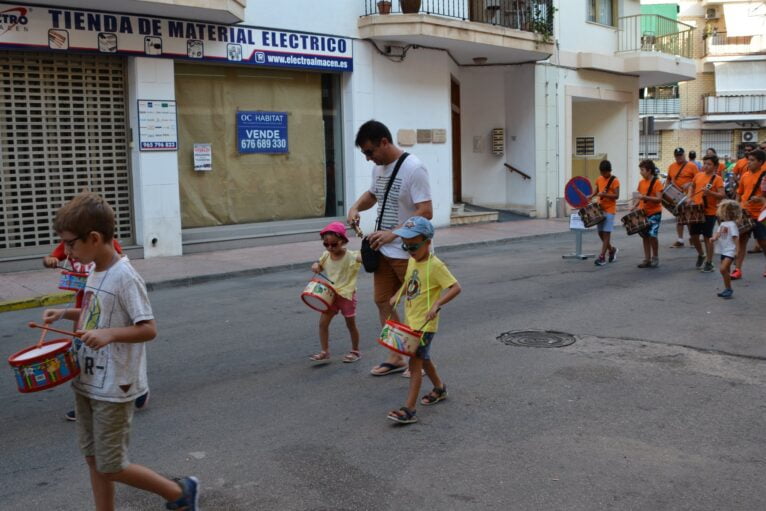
[(27, 289)]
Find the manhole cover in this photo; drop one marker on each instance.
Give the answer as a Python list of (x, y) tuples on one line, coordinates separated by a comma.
[(537, 338)]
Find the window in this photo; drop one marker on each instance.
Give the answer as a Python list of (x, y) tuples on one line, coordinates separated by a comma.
[(720, 140), (649, 147), (603, 12)]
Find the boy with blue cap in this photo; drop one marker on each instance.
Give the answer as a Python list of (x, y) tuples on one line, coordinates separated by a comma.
[(427, 276)]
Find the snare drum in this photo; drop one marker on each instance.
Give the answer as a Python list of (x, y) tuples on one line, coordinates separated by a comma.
[(319, 295), (53, 363), (592, 214), (672, 198), (745, 223), (691, 214), (400, 338), (635, 222), (72, 281)]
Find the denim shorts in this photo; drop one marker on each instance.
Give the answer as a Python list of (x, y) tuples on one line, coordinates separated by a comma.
[(759, 231), (608, 224), (654, 226), (424, 351)]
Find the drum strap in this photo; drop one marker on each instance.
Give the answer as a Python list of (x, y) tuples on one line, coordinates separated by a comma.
[(608, 184), (755, 186), (678, 174), (704, 199), (388, 188)]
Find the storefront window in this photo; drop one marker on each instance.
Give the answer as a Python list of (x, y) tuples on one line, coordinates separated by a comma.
[(304, 182)]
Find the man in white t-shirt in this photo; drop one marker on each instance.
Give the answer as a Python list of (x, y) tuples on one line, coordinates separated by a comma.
[(410, 195)]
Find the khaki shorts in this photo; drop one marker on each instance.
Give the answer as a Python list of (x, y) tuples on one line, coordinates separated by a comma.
[(388, 278), (103, 430)]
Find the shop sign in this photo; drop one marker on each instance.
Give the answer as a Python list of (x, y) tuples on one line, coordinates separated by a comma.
[(262, 132), (203, 157), (84, 31), (157, 125)]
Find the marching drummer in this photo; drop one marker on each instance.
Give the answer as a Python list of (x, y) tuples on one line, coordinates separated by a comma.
[(751, 196), (607, 190), (649, 197), (680, 173), (706, 189)]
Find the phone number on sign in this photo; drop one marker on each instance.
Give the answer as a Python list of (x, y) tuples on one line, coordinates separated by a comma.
[(263, 143)]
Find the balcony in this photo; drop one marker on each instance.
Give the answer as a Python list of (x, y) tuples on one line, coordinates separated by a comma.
[(473, 31), (661, 107), (749, 107), (720, 45), (214, 11)]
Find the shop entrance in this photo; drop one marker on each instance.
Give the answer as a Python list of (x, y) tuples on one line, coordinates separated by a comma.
[(63, 128)]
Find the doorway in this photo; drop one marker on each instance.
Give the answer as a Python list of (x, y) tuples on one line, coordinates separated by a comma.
[(457, 180)]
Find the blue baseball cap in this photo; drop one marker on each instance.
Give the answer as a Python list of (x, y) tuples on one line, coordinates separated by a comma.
[(416, 226)]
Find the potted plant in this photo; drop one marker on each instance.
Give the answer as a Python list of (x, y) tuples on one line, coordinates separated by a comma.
[(410, 6), (384, 7)]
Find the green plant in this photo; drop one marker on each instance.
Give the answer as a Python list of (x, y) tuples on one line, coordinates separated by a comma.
[(542, 22)]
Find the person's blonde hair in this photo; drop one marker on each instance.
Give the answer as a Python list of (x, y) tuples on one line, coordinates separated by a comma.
[(729, 211)]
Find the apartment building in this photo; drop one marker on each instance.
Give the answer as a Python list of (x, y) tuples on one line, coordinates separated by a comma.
[(725, 105), (224, 123)]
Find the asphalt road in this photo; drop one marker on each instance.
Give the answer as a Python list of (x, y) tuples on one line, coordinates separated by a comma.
[(658, 405)]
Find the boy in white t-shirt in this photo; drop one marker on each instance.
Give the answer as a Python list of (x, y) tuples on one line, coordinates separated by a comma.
[(726, 241), (114, 322)]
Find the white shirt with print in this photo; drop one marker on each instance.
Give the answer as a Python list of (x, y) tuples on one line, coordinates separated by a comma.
[(725, 245), (113, 298), (409, 188)]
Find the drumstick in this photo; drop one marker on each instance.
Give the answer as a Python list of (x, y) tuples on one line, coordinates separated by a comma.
[(42, 338), (428, 321), (325, 277), (64, 332)]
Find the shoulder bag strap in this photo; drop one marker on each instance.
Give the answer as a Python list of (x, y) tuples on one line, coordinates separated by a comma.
[(388, 189)]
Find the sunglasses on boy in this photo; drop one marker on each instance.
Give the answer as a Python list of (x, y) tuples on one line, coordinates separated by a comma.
[(70, 243), (413, 248), (330, 245)]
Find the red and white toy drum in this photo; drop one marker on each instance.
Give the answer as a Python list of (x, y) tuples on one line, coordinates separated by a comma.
[(400, 338), (319, 295), (53, 363), (72, 281)]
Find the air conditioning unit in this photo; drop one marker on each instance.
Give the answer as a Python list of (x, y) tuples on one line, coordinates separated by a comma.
[(749, 136), (711, 13)]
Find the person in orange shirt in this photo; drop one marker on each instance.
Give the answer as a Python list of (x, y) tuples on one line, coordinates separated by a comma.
[(707, 190), (741, 165), (680, 173), (720, 167), (649, 196), (751, 196), (607, 190)]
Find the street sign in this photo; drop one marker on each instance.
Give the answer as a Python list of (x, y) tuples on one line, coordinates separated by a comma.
[(577, 191)]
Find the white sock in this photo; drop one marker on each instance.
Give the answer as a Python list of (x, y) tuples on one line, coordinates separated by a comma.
[(680, 240)]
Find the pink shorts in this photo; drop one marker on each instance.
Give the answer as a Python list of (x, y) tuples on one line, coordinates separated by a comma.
[(344, 306)]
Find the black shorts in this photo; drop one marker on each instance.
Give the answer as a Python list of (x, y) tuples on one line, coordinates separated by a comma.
[(705, 228)]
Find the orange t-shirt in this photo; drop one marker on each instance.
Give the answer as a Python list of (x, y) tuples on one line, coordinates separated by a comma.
[(650, 208), (747, 189), (701, 180), (682, 174), (608, 205), (740, 167)]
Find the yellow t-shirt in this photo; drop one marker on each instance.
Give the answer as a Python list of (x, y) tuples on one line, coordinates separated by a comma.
[(423, 283), (342, 272)]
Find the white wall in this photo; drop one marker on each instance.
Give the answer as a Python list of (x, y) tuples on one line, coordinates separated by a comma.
[(411, 94), (156, 198), (338, 17), (520, 134)]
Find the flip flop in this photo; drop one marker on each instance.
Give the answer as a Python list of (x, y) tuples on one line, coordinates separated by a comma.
[(390, 369)]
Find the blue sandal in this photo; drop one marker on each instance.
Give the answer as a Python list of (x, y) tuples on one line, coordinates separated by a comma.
[(403, 415), (390, 369)]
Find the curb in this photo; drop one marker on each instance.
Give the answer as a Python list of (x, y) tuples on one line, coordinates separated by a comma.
[(61, 298)]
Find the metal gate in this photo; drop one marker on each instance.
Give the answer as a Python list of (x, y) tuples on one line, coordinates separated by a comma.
[(720, 140), (63, 127)]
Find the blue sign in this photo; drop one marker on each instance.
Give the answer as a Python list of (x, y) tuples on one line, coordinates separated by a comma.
[(262, 132)]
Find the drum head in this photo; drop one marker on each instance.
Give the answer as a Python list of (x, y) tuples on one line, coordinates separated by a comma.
[(34, 352), (315, 302), (762, 216)]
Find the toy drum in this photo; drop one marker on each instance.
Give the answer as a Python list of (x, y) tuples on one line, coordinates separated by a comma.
[(745, 223), (53, 363), (672, 198), (691, 214), (635, 222), (400, 338), (591, 215), (318, 295), (72, 281)]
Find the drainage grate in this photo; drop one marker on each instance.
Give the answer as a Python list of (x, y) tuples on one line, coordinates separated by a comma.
[(537, 338)]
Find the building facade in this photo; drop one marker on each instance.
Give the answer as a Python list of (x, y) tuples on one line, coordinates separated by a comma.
[(230, 123), (725, 106)]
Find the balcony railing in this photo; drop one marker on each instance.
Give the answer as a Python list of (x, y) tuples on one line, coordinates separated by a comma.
[(655, 33), (528, 15), (745, 104), (720, 44), (659, 106)]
